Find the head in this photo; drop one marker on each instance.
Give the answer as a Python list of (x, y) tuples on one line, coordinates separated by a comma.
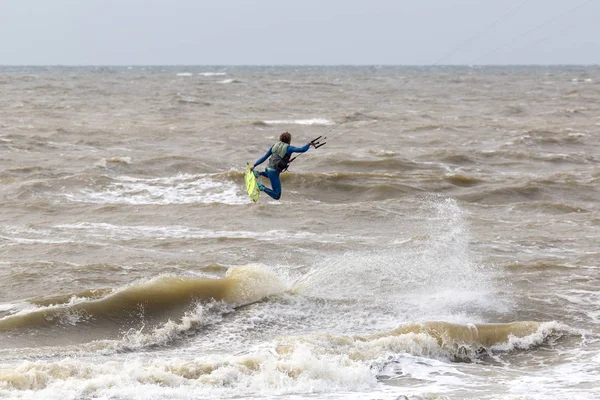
[(286, 137)]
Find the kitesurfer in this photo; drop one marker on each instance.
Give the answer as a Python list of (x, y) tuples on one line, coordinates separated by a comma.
[(280, 154)]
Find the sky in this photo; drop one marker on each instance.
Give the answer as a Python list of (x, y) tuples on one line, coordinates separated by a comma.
[(299, 32)]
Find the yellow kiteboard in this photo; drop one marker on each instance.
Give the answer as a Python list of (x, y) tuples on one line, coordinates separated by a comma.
[(251, 186)]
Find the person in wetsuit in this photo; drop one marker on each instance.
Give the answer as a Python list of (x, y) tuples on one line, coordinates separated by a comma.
[(280, 154)]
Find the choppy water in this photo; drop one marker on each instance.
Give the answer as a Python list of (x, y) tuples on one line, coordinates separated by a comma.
[(443, 244)]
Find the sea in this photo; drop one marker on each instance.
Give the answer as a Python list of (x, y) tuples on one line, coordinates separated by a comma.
[(443, 244)]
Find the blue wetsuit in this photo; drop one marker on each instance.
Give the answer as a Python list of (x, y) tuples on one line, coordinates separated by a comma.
[(273, 174)]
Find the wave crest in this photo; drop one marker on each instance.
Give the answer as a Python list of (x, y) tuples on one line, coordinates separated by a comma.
[(162, 294)]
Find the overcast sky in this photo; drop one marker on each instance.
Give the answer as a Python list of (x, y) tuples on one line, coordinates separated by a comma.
[(299, 32)]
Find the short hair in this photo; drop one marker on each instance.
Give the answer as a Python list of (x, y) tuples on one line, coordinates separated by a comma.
[(286, 137)]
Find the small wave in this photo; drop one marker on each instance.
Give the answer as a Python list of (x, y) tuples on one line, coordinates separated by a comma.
[(452, 157), (225, 81), (357, 116), (572, 112), (384, 153), (182, 99), (551, 208), (515, 110), (575, 136), (432, 127), (550, 157), (24, 170), (462, 180), (506, 195), (29, 78), (383, 162), (184, 74), (468, 342), (547, 194), (579, 80), (474, 336), (212, 73), (106, 162), (360, 179), (539, 266), (313, 121), (547, 137)]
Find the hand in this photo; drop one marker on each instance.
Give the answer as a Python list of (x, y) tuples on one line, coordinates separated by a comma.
[(252, 168)]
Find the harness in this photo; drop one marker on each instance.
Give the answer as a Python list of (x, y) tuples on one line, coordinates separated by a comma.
[(279, 158)]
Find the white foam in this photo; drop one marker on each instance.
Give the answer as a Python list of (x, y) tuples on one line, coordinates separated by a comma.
[(7, 307), (179, 189), (22, 240), (544, 331), (184, 74), (298, 365), (566, 380), (126, 232), (66, 315), (212, 73), (437, 374), (313, 121), (225, 81), (203, 315), (594, 316)]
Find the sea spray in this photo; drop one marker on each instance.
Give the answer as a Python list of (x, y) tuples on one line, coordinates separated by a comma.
[(431, 276)]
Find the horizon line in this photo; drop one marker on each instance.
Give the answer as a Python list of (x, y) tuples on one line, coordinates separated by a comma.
[(307, 65)]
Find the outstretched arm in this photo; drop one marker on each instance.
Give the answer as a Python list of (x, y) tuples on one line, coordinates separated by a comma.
[(263, 158), (303, 149)]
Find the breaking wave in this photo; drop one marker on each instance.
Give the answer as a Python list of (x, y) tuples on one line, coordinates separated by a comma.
[(241, 285), (298, 364)]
